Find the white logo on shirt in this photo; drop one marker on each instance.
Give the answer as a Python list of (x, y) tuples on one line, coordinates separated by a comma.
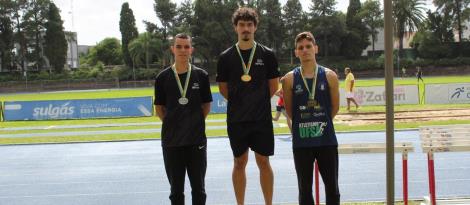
[(195, 86), (259, 61), (298, 89)]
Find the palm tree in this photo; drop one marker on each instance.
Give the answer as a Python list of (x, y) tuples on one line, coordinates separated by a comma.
[(408, 15), (144, 47)]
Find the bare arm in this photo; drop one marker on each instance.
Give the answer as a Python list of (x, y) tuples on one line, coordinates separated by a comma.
[(334, 91), (287, 82), (160, 110), (206, 108), (273, 86), (223, 89)]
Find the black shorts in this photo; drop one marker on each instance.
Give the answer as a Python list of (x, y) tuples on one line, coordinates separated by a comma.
[(258, 135), (280, 108)]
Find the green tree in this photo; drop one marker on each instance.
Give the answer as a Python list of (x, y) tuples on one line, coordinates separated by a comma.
[(145, 48), (6, 35), (408, 15), (212, 29), (107, 51), (356, 39), (371, 14), (322, 8), (18, 9), (456, 8), (293, 18), (271, 24), (184, 17), (440, 26), (166, 13), (128, 31), (327, 25), (55, 47), (34, 20)]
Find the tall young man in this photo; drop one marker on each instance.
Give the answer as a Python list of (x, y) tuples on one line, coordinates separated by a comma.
[(248, 76), (311, 97), (182, 102)]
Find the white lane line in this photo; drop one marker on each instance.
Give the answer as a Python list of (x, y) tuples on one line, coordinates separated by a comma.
[(106, 132)]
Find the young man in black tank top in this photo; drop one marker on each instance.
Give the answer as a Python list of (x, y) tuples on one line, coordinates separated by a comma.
[(311, 98), (248, 77), (182, 102)]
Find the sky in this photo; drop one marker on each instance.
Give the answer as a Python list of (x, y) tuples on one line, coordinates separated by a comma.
[(94, 20)]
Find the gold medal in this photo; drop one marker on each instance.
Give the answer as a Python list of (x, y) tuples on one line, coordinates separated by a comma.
[(246, 67), (246, 78)]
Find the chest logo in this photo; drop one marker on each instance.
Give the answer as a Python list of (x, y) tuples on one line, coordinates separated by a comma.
[(259, 62), (298, 89), (195, 86)]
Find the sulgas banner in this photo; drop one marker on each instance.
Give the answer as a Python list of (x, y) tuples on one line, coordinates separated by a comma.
[(78, 109)]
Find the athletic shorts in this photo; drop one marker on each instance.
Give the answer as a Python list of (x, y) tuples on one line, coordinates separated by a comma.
[(350, 95), (257, 135), (279, 108)]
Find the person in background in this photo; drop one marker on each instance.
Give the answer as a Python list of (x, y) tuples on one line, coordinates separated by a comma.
[(280, 109), (349, 84)]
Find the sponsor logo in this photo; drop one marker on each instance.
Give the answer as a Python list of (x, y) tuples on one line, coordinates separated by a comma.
[(259, 62), (298, 89), (363, 96), (457, 93), (195, 86), (311, 129), (53, 111)]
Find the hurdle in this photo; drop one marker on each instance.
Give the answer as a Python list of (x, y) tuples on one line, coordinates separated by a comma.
[(448, 138), (367, 148)]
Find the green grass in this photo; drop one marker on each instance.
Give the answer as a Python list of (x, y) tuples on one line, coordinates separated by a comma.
[(210, 133), (112, 93)]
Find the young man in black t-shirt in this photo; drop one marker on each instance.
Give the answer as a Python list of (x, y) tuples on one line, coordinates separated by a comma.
[(248, 76), (182, 102)]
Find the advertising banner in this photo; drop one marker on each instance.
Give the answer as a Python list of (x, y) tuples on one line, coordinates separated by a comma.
[(458, 93), (78, 109), (219, 104), (375, 95)]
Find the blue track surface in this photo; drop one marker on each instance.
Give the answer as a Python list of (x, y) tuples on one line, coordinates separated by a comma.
[(122, 173)]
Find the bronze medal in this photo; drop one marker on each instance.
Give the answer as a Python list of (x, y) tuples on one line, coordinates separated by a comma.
[(311, 103)]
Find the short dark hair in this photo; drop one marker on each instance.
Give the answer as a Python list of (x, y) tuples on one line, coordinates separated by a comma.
[(245, 14), (182, 36), (304, 35)]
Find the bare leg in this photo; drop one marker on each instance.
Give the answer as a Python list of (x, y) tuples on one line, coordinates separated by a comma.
[(276, 117), (239, 177), (266, 177), (348, 100), (354, 101)]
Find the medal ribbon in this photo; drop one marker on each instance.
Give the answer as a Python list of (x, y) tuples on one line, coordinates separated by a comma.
[(246, 68), (311, 92), (178, 82)]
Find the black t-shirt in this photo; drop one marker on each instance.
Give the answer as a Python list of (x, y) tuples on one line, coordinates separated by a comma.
[(248, 101), (183, 125)]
